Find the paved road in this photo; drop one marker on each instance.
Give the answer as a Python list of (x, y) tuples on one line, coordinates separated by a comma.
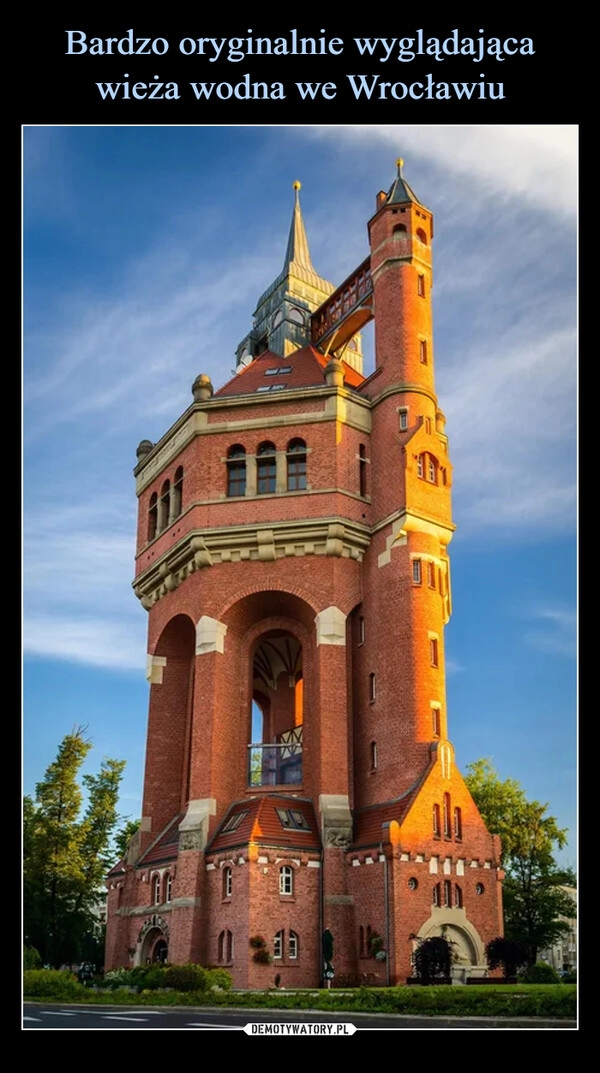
[(259, 1022)]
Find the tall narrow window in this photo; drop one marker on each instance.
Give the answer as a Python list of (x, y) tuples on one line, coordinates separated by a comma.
[(416, 571), (153, 516), (278, 945), (361, 941), (163, 506), (433, 651), (423, 351), (421, 286), (293, 945), (435, 722), (168, 887), (373, 756), (362, 469), (266, 468), (436, 821), (447, 822), (178, 492), (372, 687), (403, 417), (236, 470), (447, 893), (286, 880), (156, 889), (421, 466), (227, 882), (361, 630), (458, 823), (458, 899), (431, 575), (436, 894), (431, 470), (296, 466)]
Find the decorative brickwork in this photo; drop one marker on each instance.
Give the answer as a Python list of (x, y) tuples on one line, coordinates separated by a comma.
[(292, 555)]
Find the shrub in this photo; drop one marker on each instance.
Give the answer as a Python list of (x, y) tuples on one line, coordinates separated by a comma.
[(117, 978), (432, 958), (31, 958), (506, 954), (262, 956), (258, 942), (51, 983), (185, 978), (540, 973), (147, 977), (218, 978)]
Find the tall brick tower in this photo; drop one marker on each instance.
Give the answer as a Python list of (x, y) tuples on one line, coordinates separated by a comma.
[(292, 556)]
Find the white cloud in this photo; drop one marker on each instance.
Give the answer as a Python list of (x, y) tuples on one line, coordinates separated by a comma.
[(536, 163), (556, 630), (95, 642)]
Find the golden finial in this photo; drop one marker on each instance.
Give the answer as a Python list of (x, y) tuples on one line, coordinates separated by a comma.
[(296, 185), (399, 164)]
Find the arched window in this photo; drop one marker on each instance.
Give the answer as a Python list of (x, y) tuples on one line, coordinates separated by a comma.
[(153, 516), (168, 887), (458, 899), (431, 469), (266, 468), (399, 230), (278, 945), (422, 237), (296, 465), (163, 506), (293, 945), (436, 821), (227, 882), (286, 880), (225, 947), (447, 893), (178, 492), (436, 894), (236, 470), (458, 823), (156, 889), (447, 823)]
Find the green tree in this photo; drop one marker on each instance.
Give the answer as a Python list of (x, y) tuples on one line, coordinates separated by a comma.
[(533, 895), (66, 854), (124, 835)]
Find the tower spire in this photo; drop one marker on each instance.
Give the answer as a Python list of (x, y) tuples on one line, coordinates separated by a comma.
[(297, 251)]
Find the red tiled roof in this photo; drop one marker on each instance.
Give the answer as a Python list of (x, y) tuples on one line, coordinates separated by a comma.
[(166, 845), (369, 822), (305, 369), (262, 825)]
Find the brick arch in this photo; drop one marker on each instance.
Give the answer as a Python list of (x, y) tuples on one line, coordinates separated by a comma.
[(176, 635), (311, 600)]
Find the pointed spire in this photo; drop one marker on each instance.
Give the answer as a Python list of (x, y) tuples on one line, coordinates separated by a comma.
[(297, 251), (400, 192)]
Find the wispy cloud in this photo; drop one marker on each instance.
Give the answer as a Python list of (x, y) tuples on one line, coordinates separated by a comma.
[(555, 631), (535, 163)]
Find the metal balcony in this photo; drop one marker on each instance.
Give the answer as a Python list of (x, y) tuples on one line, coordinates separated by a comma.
[(278, 763)]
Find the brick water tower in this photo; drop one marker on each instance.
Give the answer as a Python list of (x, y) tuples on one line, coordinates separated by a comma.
[(292, 554)]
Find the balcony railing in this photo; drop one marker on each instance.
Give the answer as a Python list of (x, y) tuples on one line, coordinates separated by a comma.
[(278, 763)]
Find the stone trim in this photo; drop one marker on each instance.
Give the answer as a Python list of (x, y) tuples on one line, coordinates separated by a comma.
[(293, 539), (154, 668)]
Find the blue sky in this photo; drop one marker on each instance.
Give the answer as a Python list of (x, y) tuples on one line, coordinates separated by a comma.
[(145, 250)]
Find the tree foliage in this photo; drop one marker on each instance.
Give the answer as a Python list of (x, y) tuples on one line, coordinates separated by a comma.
[(66, 854), (533, 896), (432, 958)]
